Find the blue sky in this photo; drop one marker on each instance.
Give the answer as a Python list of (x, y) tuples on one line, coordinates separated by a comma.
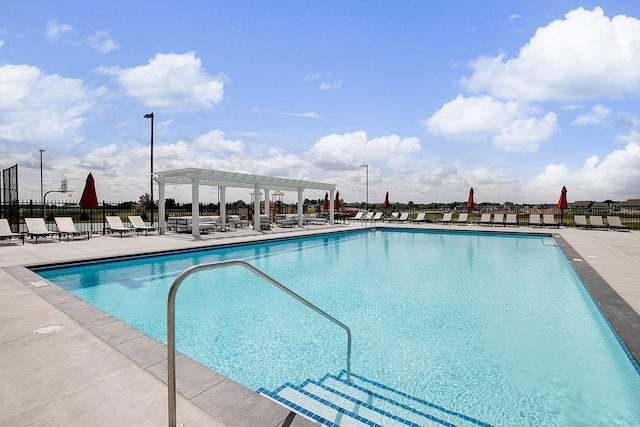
[(515, 99)]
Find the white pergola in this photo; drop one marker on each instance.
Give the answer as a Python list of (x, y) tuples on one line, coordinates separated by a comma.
[(197, 177)]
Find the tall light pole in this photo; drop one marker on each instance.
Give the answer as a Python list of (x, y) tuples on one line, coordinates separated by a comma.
[(41, 184), (150, 116), (367, 168)]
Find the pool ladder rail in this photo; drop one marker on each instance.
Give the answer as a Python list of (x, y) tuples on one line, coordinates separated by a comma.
[(171, 318)]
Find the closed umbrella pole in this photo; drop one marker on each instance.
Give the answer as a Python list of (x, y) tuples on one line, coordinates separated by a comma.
[(89, 199), (562, 203)]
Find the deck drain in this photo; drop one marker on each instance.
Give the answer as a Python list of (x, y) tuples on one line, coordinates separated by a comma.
[(48, 329), (577, 259), (39, 284)]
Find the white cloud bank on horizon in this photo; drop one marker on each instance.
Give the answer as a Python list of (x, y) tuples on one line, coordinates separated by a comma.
[(170, 82), (585, 56)]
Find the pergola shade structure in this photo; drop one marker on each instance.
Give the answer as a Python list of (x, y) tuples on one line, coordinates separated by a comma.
[(222, 180)]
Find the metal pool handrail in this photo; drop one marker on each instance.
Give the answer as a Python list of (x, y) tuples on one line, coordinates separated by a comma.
[(171, 319)]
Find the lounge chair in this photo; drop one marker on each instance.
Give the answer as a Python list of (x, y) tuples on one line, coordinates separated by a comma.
[(512, 219), (596, 222), (66, 227), (394, 217), (616, 224), (265, 222), (535, 220), (235, 221), (358, 216), (447, 217), (404, 217), (139, 225), (498, 219), (288, 220), (550, 221), (6, 233), (36, 227), (581, 221), (463, 218), (377, 216), (116, 225), (485, 219), (419, 217)]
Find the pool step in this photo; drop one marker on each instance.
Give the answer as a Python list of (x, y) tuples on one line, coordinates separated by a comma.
[(333, 401)]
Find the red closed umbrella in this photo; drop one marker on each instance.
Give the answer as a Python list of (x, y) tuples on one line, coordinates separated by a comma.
[(325, 205), (336, 202), (470, 202), (89, 199), (562, 203), (386, 205)]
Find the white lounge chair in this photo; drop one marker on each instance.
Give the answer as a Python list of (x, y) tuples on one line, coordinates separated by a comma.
[(358, 216), (446, 218), (36, 227), (512, 219), (404, 217), (138, 224), (485, 219), (116, 225), (377, 216), (535, 220), (616, 224), (581, 221), (394, 217), (498, 219), (419, 217), (66, 227), (463, 218), (6, 233), (596, 222), (550, 221)]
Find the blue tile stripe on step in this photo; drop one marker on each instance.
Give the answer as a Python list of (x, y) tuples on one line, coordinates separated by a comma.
[(343, 372), (320, 400), (295, 407), (381, 411)]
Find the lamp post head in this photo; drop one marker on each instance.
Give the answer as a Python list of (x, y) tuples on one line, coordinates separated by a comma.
[(148, 116)]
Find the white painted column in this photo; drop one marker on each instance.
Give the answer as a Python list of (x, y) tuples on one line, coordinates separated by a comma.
[(256, 207), (223, 204), (332, 195), (300, 207), (161, 209), (195, 208), (266, 202)]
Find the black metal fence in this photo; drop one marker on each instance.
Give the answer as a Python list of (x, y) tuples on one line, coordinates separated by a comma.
[(94, 219)]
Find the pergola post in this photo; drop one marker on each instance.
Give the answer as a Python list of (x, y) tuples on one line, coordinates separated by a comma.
[(300, 207), (161, 208), (223, 204), (195, 208), (256, 207)]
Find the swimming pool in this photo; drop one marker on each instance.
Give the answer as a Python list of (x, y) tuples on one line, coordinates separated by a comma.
[(497, 327)]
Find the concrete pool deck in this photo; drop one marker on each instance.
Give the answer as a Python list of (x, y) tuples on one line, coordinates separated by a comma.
[(65, 362)]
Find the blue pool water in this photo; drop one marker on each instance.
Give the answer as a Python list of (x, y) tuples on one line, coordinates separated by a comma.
[(496, 327)]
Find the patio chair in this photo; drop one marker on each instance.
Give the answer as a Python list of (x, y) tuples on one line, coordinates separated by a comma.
[(66, 227), (446, 218), (596, 222), (116, 225), (358, 216), (485, 219), (139, 225), (377, 216), (36, 227), (419, 217), (616, 224), (394, 217), (535, 220), (234, 221), (550, 221), (6, 233), (581, 221), (512, 219), (498, 219), (463, 218)]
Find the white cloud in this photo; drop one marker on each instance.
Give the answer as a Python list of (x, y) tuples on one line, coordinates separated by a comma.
[(514, 16), (1, 43), (330, 85), (214, 142), (102, 42), (55, 31), (584, 56), (509, 125), (348, 151), (596, 116), (308, 115), (171, 82), (39, 107), (311, 77)]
